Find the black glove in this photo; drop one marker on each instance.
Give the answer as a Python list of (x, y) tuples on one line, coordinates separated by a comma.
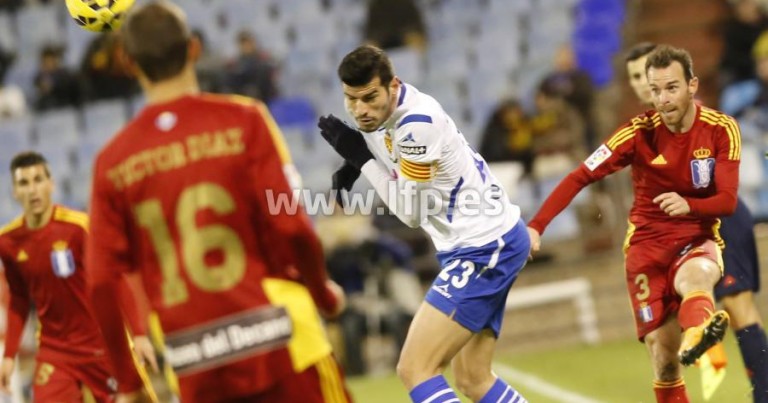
[(348, 142), (344, 178)]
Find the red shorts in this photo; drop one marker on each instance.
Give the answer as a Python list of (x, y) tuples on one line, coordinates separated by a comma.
[(320, 383), (650, 269), (67, 382)]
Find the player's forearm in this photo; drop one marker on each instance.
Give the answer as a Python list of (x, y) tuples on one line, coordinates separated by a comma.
[(311, 265), (110, 318), (136, 313), (18, 311), (721, 204), (559, 199), (404, 201)]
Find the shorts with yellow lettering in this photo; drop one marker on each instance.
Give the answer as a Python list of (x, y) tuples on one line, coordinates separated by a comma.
[(650, 268), (73, 382)]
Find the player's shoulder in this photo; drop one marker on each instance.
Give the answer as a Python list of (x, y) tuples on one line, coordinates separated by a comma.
[(71, 217), (647, 120), (232, 101), (713, 117), (11, 226)]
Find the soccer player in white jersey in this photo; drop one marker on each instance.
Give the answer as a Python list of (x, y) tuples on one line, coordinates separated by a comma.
[(410, 150)]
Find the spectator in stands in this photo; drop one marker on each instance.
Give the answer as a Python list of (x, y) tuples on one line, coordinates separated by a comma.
[(560, 132), (106, 76), (12, 101), (740, 33), (395, 23), (10, 5), (575, 87), (508, 136), (748, 100), (210, 65), (253, 72), (55, 85), (383, 292)]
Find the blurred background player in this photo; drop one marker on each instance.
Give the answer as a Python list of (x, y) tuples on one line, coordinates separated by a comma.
[(741, 273), (411, 152), (181, 195), (42, 253), (673, 259)]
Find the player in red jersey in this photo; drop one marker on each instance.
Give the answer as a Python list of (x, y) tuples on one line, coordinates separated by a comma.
[(741, 276), (685, 161), (181, 195), (42, 253)]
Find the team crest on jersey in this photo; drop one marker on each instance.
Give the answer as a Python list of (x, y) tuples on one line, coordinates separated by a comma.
[(62, 260), (701, 172)]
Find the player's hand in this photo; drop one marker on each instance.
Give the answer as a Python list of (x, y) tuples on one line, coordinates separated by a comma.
[(341, 300), (139, 396), (672, 204), (348, 142), (535, 242), (145, 353), (343, 179), (6, 370)]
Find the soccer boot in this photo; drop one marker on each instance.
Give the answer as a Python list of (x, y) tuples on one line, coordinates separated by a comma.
[(698, 339)]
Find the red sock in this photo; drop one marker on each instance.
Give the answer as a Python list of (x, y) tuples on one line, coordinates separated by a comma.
[(670, 392), (695, 309)]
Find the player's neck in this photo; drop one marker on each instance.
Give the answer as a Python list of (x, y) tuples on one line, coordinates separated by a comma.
[(168, 90), (37, 221)]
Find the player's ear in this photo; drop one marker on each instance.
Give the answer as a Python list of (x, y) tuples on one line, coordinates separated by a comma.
[(693, 85), (394, 85), (194, 49), (127, 63)]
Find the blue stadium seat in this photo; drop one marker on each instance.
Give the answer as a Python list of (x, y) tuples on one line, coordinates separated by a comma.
[(58, 127), (7, 36), (39, 26), (409, 65), (78, 40), (295, 112), (104, 118), (15, 136)]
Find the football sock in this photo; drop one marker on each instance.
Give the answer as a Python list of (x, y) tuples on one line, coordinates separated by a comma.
[(754, 350), (501, 392), (670, 392), (695, 309), (434, 390)]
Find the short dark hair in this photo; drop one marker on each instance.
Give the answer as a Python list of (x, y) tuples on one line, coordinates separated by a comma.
[(664, 55), (365, 63), (28, 159), (639, 50), (156, 37)]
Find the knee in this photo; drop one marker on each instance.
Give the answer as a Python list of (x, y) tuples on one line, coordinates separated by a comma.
[(407, 372), (473, 383), (697, 274)]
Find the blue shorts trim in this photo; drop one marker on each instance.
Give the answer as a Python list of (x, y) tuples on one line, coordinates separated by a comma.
[(473, 284)]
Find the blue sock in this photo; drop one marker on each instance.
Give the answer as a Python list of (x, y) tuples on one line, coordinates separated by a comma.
[(434, 390), (501, 392), (754, 351)]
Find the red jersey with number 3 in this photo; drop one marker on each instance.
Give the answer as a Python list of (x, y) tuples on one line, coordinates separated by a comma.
[(701, 165), (182, 194)]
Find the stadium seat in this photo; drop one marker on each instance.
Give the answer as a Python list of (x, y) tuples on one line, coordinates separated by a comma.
[(7, 36), (295, 112), (22, 73), (58, 127), (40, 26), (103, 119), (409, 65), (15, 137)]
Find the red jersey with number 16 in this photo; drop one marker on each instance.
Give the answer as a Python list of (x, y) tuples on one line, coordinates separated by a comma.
[(701, 165), (183, 194)]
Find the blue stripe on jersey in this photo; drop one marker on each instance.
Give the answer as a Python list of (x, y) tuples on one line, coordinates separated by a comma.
[(414, 119), (452, 203), (402, 94)]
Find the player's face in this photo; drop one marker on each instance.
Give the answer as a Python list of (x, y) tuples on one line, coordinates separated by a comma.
[(371, 104), (672, 95), (32, 188), (638, 80)]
